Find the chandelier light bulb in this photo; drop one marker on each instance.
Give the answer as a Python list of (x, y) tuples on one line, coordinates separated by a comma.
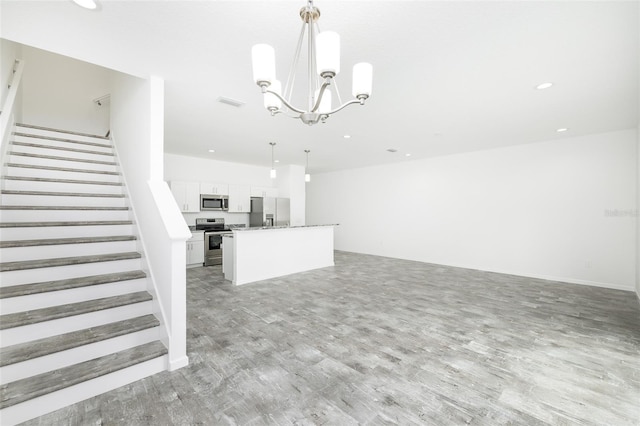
[(271, 101), (264, 63), (328, 53), (362, 80)]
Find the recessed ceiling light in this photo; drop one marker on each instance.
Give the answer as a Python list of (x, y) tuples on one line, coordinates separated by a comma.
[(276, 161), (212, 150), (87, 4), (347, 136), (544, 85), (407, 155), (562, 129)]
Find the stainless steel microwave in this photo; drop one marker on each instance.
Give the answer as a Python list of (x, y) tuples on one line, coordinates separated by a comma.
[(214, 202)]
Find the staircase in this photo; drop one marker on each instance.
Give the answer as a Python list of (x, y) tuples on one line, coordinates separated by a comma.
[(76, 318)]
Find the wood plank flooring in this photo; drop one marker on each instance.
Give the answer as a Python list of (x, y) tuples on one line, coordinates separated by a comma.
[(379, 341)]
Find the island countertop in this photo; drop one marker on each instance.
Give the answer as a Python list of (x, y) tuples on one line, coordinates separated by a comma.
[(276, 251), (262, 228)]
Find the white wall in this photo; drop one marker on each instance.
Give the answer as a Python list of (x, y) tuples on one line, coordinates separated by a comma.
[(9, 52), (540, 210), (137, 122), (58, 92), (638, 212)]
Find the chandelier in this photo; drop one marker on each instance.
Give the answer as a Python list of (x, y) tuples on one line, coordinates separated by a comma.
[(323, 66)]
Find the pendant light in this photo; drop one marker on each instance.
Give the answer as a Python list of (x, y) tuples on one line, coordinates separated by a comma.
[(307, 176), (273, 167), (323, 67)]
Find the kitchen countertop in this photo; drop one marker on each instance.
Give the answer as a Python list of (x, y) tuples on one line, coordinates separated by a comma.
[(262, 228)]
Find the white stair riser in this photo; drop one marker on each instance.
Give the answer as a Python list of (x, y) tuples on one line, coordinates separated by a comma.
[(58, 200), (15, 254), (28, 333), (54, 401), (62, 215), (71, 271), (22, 370), (30, 185), (12, 234), (50, 150), (61, 135), (64, 144), (21, 159), (55, 174), (44, 300)]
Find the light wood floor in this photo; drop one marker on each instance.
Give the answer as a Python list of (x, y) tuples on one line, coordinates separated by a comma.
[(384, 341)]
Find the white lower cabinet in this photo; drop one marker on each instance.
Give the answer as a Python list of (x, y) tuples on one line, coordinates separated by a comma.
[(195, 249), (239, 199)]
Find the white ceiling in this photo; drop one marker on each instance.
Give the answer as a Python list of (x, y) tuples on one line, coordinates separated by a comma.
[(449, 76)]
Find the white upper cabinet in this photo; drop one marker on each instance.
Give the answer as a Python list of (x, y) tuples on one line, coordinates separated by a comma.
[(187, 195), (239, 199), (213, 188), (264, 191)]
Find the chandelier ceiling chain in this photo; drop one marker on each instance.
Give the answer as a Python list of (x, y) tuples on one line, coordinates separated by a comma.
[(323, 65)]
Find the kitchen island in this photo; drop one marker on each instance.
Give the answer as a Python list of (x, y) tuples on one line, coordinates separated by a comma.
[(255, 254)]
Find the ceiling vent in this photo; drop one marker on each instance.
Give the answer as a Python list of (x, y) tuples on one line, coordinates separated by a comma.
[(229, 101)]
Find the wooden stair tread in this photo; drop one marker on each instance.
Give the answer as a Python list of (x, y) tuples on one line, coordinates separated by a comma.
[(52, 138), (20, 319), (62, 169), (61, 148), (53, 157), (70, 132), (75, 181), (42, 384), (62, 342), (62, 241), (64, 223), (66, 261), (60, 194), (69, 283)]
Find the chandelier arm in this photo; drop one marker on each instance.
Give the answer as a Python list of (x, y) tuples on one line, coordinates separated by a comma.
[(312, 53), (324, 86), (291, 79), (284, 101), (346, 104)]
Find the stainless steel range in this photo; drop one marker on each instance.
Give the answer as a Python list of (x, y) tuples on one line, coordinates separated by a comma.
[(213, 228)]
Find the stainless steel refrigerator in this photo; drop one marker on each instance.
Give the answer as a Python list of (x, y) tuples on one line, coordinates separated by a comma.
[(269, 211)]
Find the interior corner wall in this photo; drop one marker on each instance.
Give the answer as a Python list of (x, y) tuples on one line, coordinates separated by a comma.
[(58, 92), (291, 185), (558, 210), (637, 211)]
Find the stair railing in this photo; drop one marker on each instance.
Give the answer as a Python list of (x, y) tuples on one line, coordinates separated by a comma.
[(7, 117)]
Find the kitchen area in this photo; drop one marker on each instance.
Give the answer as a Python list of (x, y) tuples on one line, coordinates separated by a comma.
[(242, 221), (208, 232)]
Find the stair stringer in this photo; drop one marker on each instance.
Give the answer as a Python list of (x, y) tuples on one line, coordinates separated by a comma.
[(174, 362)]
